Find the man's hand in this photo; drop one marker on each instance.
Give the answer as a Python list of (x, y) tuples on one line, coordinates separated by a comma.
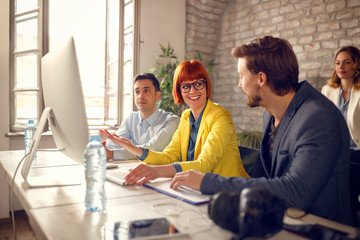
[(122, 142), (109, 154), (191, 179)]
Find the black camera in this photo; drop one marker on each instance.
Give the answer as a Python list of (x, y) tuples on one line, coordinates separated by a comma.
[(253, 213)]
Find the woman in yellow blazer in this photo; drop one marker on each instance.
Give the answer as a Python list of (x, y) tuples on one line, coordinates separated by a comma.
[(343, 90), (204, 141)]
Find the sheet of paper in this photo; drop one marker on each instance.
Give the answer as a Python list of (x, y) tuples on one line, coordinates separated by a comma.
[(182, 193)]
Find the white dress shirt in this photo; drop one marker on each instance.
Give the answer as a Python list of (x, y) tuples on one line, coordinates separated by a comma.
[(153, 133)]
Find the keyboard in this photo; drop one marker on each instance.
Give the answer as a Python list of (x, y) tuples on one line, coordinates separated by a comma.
[(117, 175)]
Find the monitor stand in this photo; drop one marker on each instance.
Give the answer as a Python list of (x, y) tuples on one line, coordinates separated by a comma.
[(48, 176)]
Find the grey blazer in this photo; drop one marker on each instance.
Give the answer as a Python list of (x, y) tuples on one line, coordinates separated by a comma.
[(309, 166)]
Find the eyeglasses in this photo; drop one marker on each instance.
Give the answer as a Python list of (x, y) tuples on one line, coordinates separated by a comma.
[(198, 85)]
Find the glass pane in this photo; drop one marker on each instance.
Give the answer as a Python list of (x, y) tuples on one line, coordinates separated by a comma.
[(112, 122), (128, 47), (26, 71), (129, 15), (128, 79), (26, 106), (113, 32), (26, 32), (113, 77), (25, 5), (127, 103), (85, 20), (113, 107), (112, 62), (94, 106)]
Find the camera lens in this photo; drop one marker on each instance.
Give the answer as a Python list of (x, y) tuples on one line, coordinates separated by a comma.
[(223, 209), (261, 213), (253, 213)]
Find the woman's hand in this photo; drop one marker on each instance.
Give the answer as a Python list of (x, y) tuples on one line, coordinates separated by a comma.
[(122, 142), (191, 179), (141, 174)]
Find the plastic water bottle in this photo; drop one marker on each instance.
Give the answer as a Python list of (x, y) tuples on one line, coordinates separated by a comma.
[(30, 130), (95, 170)]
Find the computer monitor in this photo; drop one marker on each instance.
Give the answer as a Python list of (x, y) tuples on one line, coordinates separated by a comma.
[(64, 108)]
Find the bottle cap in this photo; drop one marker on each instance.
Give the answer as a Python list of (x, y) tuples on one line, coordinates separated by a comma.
[(94, 137)]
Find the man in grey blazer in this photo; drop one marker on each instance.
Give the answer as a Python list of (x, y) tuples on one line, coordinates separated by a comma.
[(305, 148)]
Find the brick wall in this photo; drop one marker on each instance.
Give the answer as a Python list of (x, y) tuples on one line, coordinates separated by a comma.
[(316, 29)]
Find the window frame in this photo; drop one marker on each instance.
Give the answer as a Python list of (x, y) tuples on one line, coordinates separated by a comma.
[(43, 48), (121, 114), (42, 4)]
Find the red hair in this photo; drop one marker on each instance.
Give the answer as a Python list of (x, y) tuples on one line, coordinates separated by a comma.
[(189, 71)]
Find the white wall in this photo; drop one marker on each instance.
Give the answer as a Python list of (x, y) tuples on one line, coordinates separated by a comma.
[(161, 21)]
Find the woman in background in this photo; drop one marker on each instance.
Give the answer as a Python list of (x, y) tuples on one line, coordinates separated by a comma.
[(204, 141), (343, 90)]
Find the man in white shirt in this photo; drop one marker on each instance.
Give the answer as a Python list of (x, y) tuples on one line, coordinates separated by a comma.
[(149, 127)]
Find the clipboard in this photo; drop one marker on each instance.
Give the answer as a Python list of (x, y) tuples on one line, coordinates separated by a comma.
[(182, 193)]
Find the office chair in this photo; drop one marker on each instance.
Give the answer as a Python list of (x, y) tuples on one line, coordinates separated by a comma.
[(249, 157)]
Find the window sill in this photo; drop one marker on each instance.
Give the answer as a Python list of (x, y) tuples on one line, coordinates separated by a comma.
[(92, 129), (18, 134)]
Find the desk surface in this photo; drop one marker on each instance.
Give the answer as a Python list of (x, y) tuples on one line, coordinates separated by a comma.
[(53, 163), (59, 212)]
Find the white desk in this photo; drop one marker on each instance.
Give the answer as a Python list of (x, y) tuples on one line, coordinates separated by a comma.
[(59, 212), (46, 163)]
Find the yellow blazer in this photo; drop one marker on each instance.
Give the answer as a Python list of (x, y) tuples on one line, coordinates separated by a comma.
[(353, 114), (216, 148)]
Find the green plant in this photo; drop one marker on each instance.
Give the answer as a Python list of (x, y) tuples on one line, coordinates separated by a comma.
[(209, 65), (249, 138), (164, 71)]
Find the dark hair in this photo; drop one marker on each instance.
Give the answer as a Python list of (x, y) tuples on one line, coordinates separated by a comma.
[(274, 57), (148, 76), (354, 52), (189, 71)]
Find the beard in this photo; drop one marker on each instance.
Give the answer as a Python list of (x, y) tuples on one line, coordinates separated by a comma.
[(253, 101)]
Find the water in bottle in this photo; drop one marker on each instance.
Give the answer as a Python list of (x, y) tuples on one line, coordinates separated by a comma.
[(30, 130), (95, 170)]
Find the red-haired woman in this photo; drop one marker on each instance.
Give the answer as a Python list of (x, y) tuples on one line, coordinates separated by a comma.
[(204, 141)]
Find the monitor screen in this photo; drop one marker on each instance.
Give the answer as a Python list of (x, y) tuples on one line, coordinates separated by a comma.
[(63, 93), (64, 105)]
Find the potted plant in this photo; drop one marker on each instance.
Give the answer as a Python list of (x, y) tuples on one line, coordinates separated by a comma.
[(164, 71), (250, 139)]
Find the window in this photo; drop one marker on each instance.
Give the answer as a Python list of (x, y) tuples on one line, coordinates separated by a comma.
[(26, 100), (104, 33), (86, 21), (121, 59)]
